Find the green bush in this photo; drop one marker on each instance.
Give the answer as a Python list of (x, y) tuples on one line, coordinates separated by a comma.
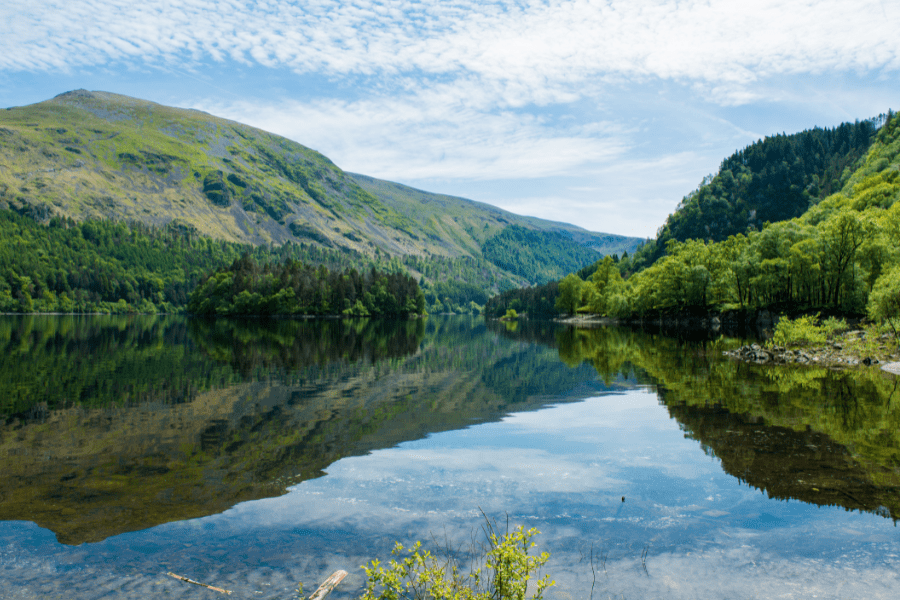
[(802, 331), (423, 576)]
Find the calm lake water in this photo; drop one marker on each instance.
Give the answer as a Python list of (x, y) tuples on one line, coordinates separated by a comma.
[(253, 455)]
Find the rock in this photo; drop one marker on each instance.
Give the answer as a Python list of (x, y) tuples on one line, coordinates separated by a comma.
[(893, 368)]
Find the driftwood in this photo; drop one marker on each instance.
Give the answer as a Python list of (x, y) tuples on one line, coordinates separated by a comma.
[(328, 585), (326, 588), (209, 587)]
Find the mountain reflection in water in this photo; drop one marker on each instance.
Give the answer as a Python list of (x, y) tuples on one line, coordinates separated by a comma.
[(119, 424)]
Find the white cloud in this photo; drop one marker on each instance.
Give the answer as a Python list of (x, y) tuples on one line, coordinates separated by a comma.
[(433, 134), (538, 48)]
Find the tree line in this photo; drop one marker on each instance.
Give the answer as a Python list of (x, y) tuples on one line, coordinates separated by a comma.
[(296, 288), (105, 266)]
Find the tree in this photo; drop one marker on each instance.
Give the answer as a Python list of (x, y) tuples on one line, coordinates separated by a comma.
[(569, 294), (884, 301), (605, 283), (842, 235)]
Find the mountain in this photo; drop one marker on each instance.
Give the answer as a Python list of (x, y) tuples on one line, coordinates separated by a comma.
[(96, 155)]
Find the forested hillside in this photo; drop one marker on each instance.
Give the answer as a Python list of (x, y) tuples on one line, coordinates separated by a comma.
[(109, 266), (139, 173), (841, 256), (774, 179), (538, 256)]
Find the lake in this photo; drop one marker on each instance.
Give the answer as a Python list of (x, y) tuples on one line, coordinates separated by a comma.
[(253, 455)]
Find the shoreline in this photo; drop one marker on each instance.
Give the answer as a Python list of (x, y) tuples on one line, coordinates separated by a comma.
[(850, 349)]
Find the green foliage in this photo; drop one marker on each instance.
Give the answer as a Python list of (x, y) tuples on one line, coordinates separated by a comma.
[(536, 301), (113, 267), (457, 285), (422, 576), (834, 326), (570, 290), (802, 331), (511, 315), (775, 179), (884, 301), (538, 256), (838, 256), (293, 288)]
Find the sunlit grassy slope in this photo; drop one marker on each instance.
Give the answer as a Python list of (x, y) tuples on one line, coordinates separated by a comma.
[(465, 225), (101, 155)]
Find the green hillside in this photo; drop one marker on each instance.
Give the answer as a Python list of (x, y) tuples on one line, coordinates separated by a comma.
[(837, 255), (774, 179), (90, 157), (99, 155), (465, 225)]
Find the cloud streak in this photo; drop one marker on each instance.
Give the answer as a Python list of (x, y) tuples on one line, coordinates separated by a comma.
[(539, 45), (432, 134)]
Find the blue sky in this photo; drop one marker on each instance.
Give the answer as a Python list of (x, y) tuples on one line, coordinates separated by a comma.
[(599, 113)]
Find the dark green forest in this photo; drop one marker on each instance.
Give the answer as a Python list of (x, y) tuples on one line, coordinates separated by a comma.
[(114, 267), (774, 179), (537, 256), (106, 266), (295, 288)]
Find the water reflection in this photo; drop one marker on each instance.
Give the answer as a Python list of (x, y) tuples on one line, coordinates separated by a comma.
[(290, 344), (824, 436), (418, 425), (122, 424)]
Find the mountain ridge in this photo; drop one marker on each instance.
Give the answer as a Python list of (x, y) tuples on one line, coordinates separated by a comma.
[(89, 154)]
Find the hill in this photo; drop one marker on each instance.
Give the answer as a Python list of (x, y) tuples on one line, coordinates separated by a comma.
[(838, 255), (85, 156), (774, 179)]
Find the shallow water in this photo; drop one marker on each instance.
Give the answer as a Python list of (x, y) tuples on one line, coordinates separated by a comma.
[(269, 454)]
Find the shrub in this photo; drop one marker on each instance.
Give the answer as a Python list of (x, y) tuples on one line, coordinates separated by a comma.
[(423, 576), (802, 331)]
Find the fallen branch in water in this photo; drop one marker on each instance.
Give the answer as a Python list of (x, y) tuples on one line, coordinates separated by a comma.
[(209, 587), (328, 585)]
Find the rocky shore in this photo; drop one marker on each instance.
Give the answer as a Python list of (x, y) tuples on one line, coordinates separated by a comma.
[(850, 349)]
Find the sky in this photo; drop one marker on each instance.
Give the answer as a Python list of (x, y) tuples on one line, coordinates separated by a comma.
[(600, 113)]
